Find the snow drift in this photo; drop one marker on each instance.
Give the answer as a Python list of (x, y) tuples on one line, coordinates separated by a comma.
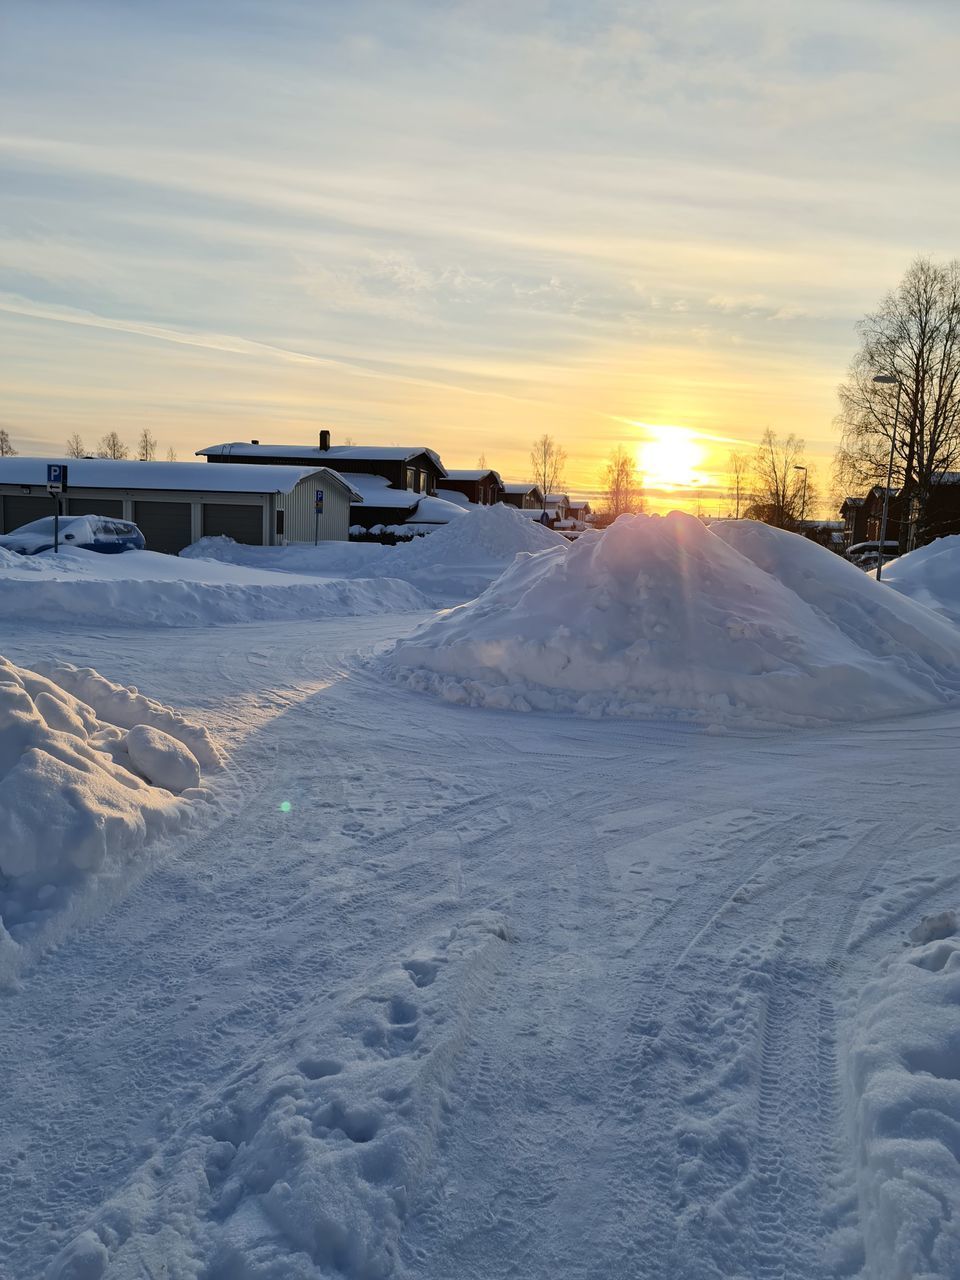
[(77, 789), (454, 563), (930, 575), (144, 588), (903, 1079), (664, 616)]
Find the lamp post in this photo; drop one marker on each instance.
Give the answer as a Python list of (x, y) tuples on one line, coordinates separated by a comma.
[(888, 380), (803, 496)]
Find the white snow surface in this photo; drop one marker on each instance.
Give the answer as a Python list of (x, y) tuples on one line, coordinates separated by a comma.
[(903, 1076), (145, 588), (930, 575), (451, 563), (734, 624), (73, 796), (420, 993)]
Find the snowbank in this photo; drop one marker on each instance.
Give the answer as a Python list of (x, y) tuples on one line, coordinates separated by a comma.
[(144, 588), (73, 794), (664, 616), (454, 563), (930, 575), (903, 1081)]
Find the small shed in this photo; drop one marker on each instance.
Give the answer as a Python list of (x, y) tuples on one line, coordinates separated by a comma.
[(525, 495), (483, 487), (176, 503)]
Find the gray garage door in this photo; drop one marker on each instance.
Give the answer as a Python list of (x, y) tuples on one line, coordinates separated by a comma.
[(241, 522), (18, 510), (164, 525), (96, 507)]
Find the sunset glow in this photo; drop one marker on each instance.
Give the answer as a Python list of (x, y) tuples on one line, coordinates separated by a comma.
[(670, 457)]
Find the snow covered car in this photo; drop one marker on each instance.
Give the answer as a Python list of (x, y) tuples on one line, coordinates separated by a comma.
[(865, 554), (91, 533)]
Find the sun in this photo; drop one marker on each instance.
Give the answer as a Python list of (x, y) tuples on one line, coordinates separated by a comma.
[(669, 458)]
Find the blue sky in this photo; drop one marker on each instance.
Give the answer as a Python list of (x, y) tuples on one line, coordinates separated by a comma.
[(460, 225)]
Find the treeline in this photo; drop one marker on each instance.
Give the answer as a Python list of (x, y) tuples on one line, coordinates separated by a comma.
[(108, 446)]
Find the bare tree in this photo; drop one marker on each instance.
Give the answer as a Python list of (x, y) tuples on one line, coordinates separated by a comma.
[(146, 446), (738, 469), (778, 491), (622, 486), (482, 462), (547, 460), (6, 448), (75, 447), (111, 446), (913, 337), (171, 454)]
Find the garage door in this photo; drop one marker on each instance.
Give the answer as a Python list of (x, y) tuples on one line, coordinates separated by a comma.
[(164, 525), (241, 522), (18, 510), (96, 507)]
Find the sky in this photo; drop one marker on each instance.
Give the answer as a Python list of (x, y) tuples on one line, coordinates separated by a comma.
[(464, 225)]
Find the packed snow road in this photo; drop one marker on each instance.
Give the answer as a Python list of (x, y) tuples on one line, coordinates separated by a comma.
[(447, 993)]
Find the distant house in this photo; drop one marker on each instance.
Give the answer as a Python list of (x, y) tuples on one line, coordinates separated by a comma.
[(413, 467), (526, 496), (396, 485), (560, 503), (482, 487), (873, 515), (398, 512), (176, 503), (854, 520), (579, 509)]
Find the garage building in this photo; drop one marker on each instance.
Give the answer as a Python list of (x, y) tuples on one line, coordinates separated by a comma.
[(176, 503)]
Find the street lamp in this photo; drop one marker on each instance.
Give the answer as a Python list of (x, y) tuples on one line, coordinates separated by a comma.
[(888, 380), (803, 496)]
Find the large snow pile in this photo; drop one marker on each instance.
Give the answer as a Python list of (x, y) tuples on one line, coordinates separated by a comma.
[(81, 788), (904, 1084), (144, 588), (930, 575), (454, 562), (664, 616)]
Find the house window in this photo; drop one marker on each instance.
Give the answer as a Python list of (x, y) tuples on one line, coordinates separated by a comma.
[(411, 478)]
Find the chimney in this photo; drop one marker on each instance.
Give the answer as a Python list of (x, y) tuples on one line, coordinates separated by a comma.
[(324, 441), (254, 441)]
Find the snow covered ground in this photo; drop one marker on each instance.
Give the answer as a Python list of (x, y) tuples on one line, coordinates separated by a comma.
[(428, 990)]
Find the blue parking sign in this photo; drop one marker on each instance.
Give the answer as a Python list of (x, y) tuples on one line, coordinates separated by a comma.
[(319, 501), (56, 477)]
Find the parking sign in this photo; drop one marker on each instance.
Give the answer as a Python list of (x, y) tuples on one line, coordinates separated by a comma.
[(56, 477), (319, 502)]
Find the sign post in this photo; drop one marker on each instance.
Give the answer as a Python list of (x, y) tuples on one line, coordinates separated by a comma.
[(56, 484), (317, 513)]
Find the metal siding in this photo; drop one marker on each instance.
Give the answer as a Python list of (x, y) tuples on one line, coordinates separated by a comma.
[(95, 507), (243, 522), (18, 510), (166, 526), (299, 508)]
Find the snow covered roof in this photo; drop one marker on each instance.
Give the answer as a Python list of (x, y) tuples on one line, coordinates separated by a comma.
[(853, 502), (454, 495), (474, 475), (105, 473), (356, 453), (522, 487), (558, 499), (376, 492)]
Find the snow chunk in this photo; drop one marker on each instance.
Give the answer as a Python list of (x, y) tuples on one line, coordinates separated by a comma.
[(127, 707), (69, 805), (162, 759), (932, 928), (904, 1085), (664, 616)]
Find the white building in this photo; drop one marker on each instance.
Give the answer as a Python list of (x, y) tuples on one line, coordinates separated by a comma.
[(176, 503)]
